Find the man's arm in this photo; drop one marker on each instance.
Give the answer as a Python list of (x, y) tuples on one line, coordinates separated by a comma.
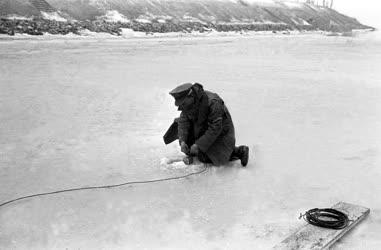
[(214, 126), (183, 129)]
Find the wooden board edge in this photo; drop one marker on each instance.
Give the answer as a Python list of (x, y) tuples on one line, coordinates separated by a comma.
[(348, 228)]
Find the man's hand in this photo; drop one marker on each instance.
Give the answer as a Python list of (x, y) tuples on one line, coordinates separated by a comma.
[(194, 150), (188, 160), (184, 148)]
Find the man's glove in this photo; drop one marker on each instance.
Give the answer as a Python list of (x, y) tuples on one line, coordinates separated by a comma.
[(184, 148), (194, 150)]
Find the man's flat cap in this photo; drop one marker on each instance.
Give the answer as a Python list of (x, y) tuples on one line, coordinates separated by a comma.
[(181, 92)]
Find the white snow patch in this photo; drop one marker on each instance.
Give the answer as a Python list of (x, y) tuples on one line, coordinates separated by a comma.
[(305, 22), (164, 17), (288, 3), (69, 35), (261, 2), (172, 163), (89, 33), (142, 20), (113, 16), (54, 16), (294, 21), (192, 19), (246, 21), (292, 5), (17, 17), (300, 21), (177, 163), (130, 33), (271, 22)]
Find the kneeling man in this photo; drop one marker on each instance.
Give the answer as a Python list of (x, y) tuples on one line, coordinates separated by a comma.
[(205, 128)]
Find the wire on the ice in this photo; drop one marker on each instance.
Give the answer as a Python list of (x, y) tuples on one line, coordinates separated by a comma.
[(107, 186)]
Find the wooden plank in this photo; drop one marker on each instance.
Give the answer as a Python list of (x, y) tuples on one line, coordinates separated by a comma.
[(313, 237)]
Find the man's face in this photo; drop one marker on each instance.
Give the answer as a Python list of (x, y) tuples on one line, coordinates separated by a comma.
[(187, 104)]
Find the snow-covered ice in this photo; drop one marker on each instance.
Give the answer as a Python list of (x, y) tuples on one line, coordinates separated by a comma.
[(92, 111)]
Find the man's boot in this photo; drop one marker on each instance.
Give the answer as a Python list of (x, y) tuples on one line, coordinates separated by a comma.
[(243, 155)]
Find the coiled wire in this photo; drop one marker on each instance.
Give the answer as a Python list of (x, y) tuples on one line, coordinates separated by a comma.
[(327, 218)]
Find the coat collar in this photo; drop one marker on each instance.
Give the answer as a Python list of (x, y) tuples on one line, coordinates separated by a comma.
[(198, 90), (202, 105)]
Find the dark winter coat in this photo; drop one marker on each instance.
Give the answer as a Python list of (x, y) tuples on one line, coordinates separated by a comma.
[(209, 125)]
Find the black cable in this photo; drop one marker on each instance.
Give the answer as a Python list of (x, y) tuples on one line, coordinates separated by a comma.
[(334, 219), (107, 186)]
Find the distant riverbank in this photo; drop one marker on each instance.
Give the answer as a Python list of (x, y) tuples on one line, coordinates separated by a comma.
[(39, 26)]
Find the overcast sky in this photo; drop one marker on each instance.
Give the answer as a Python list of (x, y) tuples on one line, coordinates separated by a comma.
[(367, 12)]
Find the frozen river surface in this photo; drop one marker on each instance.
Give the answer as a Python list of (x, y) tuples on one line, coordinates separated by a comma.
[(93, 112)]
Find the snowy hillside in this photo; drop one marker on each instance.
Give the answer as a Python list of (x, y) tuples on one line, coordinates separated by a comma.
[(235, 12)]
